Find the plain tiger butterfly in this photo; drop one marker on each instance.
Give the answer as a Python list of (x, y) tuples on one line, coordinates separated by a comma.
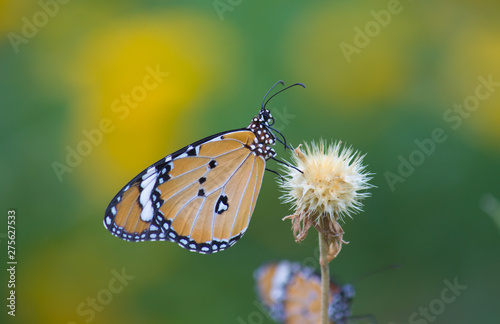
[(292, 294), (201, 196)]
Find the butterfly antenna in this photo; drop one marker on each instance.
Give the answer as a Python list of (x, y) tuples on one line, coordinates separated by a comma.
[(274, 86), (284, 144), (293, 85), (392, 266), (283, 136), (287, 164)]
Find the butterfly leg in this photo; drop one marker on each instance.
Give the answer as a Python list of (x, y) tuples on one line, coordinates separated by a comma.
[(287, 164), (277, 173)]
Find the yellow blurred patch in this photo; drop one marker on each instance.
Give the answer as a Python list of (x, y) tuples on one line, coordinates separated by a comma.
[(352, 83), (117, 61), (144, 78), (82, 278), (473, 53), (11, 13)]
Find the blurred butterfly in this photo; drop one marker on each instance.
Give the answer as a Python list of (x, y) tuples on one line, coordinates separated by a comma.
[(292, 294), (201, 196)]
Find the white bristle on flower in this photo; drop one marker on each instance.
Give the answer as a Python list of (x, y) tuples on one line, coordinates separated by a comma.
[(333, 182)]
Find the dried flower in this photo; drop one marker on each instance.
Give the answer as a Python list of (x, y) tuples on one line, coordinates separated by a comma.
[(331, 185)]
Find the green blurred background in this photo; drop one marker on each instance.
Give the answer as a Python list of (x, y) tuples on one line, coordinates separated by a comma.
[(68, 72)]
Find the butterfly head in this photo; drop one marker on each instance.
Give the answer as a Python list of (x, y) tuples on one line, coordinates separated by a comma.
[(265, 117)]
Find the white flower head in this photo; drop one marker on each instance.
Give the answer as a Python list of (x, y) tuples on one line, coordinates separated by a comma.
[(331, 183)]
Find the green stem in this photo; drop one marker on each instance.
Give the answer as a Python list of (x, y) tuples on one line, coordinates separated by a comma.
[(325, 278)]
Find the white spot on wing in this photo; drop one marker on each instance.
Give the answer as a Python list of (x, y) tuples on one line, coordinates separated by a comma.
[(147, 212), (222, 207), (149, 172), (145, 198), (280, 279)]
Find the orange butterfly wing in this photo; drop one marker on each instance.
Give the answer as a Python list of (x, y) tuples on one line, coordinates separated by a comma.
[(303, 302), (201, 197), (292, 294)]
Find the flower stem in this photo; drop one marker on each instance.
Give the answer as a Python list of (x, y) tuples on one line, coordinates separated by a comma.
[(325, 277)]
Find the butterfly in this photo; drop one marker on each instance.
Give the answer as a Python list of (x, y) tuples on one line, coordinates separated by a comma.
[(292, 294), (202, 196)]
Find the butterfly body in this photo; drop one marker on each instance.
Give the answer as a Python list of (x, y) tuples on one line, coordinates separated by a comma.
[(202, 196)]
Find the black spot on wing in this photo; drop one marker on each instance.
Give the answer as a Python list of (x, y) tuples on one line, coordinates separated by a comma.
[(191, 151), (221, 205), (164, 175), (201, 193), (212, 164), (202, 180)]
